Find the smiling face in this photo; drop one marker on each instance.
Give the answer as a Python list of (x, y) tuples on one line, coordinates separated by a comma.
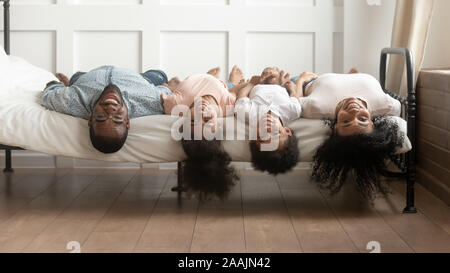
[(353, 117), (109, 117), (271, 127)]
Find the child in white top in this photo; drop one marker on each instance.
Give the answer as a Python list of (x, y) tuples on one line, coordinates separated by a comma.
[(268, 106)]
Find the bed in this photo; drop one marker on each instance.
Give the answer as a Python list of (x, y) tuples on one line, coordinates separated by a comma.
[(25, 124)]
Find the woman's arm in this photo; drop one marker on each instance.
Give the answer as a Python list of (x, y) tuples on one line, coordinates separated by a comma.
[(302, 79)]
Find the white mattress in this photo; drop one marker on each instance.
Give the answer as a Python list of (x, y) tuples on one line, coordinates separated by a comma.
[(25, 123)]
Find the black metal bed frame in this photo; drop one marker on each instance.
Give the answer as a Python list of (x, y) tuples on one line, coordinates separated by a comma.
[(6, 35), (405, 162)]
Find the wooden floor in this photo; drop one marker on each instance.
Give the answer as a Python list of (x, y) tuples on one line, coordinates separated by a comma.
[(135, 211)]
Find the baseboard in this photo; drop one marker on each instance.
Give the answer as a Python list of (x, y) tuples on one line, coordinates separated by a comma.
[(29, 159)]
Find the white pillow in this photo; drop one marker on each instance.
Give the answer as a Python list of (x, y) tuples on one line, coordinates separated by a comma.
[(403, 132)]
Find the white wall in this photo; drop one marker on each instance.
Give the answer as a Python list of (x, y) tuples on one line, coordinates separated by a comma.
[(367, 30), (437, 52)]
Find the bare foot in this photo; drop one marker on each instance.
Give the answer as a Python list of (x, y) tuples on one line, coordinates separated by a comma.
[(299, 86), (292, 88), (214, 72), (353, 71), (62, 78), (236, 76), (172, 84)]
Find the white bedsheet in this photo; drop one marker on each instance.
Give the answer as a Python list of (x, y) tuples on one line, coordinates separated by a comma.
[(25, 123)]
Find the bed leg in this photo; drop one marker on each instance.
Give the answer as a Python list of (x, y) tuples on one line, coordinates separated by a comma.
[(410, 180), (8, 165), (180, 175)]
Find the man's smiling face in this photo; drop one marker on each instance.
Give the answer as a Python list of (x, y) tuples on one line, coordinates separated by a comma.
[(110, 114)]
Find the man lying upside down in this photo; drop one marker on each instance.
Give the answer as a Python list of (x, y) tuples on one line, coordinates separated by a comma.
[(108, 97)]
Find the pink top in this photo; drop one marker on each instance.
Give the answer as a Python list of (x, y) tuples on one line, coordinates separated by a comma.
[(197, 86)]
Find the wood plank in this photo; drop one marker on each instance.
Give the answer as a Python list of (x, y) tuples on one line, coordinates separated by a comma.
[(80, 218), (6, 179), (171, 224), (124, 223), (317, 228), (362, 222), (220, 225), (19, 230), (10, 205), (428, 204), (298, 179), (22, 186), (267, 224), (422, 234)]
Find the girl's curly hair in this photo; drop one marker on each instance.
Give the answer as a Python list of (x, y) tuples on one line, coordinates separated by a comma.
[(364, 155), (278, 161), (207, 171)]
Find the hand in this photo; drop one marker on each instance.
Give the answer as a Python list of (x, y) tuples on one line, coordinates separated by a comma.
[(256, 80), (306, 77), (283, 79), (62, 78)]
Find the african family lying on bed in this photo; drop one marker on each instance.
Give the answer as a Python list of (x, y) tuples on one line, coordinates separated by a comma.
[(354, 104)]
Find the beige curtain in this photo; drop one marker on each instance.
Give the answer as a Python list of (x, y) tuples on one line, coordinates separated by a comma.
[(411, 24)]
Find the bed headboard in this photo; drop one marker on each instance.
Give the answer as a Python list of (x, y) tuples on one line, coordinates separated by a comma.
[(6, 29)]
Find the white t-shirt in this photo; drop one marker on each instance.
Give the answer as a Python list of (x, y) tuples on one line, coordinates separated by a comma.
[(268, 97), (329, 89)]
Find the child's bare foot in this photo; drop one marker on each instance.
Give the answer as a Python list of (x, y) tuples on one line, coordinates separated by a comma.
[(236, 76), (299, 86), (292, 88), (353, 71), (214, 72), (62, 78)]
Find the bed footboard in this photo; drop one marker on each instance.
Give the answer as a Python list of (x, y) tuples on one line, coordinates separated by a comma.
[(406, 163)]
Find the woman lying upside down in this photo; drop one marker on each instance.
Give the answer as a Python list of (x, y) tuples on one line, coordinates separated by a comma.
[(362, 138)]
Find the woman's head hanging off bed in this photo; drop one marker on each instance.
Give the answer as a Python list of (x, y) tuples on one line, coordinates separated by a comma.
[(108, 97), (362, 137)]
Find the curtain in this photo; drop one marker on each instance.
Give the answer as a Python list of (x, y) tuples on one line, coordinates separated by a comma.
[(411, 27)]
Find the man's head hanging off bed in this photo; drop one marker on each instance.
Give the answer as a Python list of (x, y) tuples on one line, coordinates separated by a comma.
[(109, 121)]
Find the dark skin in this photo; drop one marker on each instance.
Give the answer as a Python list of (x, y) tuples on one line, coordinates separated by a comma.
[(353, 117), (109, 117)]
